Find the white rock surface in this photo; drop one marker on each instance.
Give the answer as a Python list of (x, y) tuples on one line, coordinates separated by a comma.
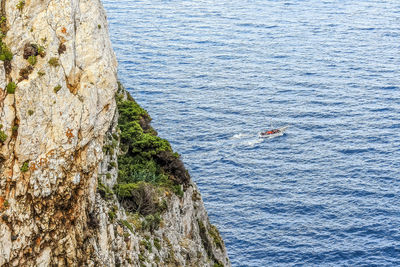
[(56, 124)]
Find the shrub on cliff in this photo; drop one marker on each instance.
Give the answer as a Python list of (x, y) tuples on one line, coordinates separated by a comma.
[(139, 146), (146, 163), (138, 197), (143, 150), (172, 164)]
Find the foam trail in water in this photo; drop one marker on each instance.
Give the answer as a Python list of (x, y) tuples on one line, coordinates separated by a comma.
[(252, 143), (245, 139), (240, 136)]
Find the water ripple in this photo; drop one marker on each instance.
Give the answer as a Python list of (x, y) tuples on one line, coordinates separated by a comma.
[(214, 74)]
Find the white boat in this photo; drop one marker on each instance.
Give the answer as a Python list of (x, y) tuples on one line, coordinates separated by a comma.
[(273, 133)]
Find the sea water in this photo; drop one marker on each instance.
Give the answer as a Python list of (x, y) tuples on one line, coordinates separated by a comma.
[(213, 74)]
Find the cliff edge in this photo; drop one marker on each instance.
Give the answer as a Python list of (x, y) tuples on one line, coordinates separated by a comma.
[(84, 178)]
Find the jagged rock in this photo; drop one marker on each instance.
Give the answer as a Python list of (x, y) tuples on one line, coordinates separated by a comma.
[(57, 206)]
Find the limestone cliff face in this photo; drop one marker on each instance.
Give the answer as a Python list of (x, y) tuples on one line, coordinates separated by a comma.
[(60, 150)]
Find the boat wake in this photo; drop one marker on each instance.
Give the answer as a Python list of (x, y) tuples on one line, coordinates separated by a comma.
[(240, 136), (245, 139), (254, 142)]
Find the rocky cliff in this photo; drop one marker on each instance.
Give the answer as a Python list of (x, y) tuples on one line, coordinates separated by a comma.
[(84, 178)]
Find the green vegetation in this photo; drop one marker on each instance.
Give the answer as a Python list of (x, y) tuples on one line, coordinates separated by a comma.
[(142, 258), (147, 245), (146, 161), (57, 88), (204, 238), (148, 170), (135, 220), (144, 176), (177, 189), (5, 53), (139, 197), (216, 236), (20, 5), (41, 50), (11, 87), (14, 129), (126, 236), (112, 165), (111, 215), (127, 225), (54, 62), (151, 222), (138, 143), (25, 167), (30, 112), (171, 259), (207, 243), (157, 243), (124, 190), (104, 191), (32, 60), (3, 136), (109, 147)]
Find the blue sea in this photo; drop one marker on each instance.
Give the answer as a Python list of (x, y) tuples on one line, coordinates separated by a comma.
[(213, 74)]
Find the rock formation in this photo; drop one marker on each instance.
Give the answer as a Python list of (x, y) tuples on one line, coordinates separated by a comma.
[(84, 179)]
